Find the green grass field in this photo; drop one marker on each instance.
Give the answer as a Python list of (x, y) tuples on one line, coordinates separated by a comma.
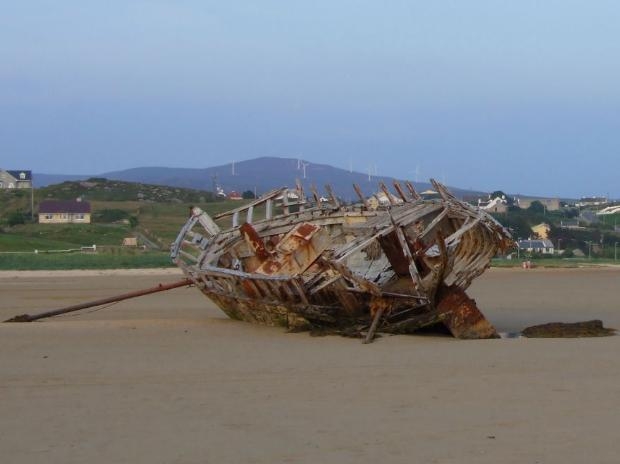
[(11, 242), (162, 221), (159, 222), (60, 261)]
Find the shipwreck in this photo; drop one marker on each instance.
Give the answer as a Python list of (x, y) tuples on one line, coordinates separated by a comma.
[(283, 260)]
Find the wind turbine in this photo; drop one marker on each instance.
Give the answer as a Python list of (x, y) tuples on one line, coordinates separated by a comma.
[(304, 166), (417, 173)]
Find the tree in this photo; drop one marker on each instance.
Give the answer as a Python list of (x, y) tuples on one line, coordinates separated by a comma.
[(536, 207), (518, 226), (248, 195)]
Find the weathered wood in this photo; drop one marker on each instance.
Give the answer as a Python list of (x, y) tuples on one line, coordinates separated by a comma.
[(375, 322), (315, 195), (400, 191), (103, 301), (387, 193), (354, 259), (332, 197), (412, 191), (263, 199), (413, 323), (360, 195)]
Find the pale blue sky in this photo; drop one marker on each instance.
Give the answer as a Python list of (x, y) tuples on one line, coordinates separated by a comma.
[(520, 96)]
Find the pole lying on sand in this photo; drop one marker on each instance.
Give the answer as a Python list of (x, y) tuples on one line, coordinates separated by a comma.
[(90, 304)]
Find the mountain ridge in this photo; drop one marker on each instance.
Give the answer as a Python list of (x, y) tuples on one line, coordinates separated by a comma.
[(257, 175)]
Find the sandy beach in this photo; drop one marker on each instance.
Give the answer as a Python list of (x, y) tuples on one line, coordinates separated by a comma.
[(168, 378)]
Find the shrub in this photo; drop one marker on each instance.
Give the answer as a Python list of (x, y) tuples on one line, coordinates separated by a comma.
[(110, 215), (15, 217)]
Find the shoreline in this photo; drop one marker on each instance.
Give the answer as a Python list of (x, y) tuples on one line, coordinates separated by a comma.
[(92, 272), (172, 271)]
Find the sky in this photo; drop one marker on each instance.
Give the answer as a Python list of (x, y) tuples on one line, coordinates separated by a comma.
[(521, 96)]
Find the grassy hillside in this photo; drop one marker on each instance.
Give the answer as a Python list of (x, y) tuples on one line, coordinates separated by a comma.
[(99, 189), (14, 200), (152, 213)]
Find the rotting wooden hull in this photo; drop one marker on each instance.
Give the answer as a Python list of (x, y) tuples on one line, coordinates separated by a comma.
[(346, 269)]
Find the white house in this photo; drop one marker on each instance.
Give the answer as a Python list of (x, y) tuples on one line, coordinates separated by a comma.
[(15, 179), (543, 246)]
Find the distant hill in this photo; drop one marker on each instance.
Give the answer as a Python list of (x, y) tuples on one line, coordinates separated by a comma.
[(259, 174), (43, 180), (101, 189)]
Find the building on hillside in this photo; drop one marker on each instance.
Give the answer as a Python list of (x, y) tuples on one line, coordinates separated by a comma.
[(550, 204), (234, 195), (495, 205), (429, 195), (291, 197), (591, 201), (64, 212), (15, 179), (571, 224), (614, 209), (541, 230), (544, 246)]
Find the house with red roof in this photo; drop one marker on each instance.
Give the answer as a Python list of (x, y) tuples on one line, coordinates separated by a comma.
[(64, 212)]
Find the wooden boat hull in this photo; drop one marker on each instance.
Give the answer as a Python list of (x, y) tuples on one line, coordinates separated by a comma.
[(345, 269)]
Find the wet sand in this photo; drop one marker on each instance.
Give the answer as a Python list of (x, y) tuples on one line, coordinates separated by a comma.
[(167, 378)]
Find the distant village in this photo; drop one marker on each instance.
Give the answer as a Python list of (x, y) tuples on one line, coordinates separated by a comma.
[(587, 212)]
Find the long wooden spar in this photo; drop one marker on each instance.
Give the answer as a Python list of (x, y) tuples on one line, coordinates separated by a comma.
[(90, 304)]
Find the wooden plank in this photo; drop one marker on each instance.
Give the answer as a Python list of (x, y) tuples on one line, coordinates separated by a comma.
[(359, 243), (413, 270), (400, 191), (387, 193), (360, 195), (332, 197), (235, 219), (300, 291), (412, 191), (434, 222), (324, 284), (264, 198)]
